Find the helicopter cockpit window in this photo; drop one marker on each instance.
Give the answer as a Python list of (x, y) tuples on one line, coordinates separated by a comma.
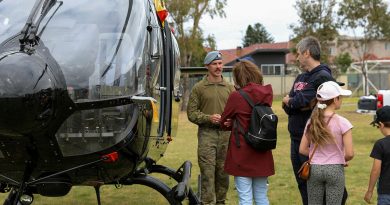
[(13, 20), (114, 67), (100, 48), (107, 62)]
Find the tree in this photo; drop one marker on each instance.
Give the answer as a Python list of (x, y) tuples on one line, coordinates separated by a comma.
[(343, 61), (191, 41), (191, 12), (372, 18), (211, 42), (316, 18), (256, 34)]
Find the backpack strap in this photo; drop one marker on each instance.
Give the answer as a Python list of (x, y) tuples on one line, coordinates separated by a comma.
[(239, 128), (246, 97), (312, 154), (236, 132)]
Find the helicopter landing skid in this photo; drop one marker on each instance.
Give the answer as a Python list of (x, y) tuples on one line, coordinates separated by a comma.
[(174, 195)]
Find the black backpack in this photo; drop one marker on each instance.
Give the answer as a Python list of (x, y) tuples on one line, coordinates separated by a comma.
[(261, 134)]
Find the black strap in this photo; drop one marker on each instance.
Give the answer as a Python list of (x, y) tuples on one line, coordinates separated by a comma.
[(236, 123), (236, 132), (312, 154), (246, 97)]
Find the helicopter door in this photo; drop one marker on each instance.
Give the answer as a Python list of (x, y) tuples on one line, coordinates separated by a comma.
[(155, 68), (176, 92), (168, 77), (159, 84)]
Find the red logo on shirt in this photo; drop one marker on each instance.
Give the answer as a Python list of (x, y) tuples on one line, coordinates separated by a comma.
[(299, 86)]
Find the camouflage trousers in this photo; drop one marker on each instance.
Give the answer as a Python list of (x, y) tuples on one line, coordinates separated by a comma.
[(212, 147)]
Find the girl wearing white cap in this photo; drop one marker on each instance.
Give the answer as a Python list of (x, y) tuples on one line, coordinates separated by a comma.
[(328, 140)]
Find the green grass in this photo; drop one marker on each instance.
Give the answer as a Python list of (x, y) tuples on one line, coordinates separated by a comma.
[(282, 188)]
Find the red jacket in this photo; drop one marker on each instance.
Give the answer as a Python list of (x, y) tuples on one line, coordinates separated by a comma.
[(245, 161)]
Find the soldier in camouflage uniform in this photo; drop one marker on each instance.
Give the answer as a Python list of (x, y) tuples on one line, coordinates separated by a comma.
[(207, 101)]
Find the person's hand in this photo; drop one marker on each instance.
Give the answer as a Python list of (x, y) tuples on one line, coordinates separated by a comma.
[(368, 197), (215, 118), (346, 164), (228, 123), (286, 99)]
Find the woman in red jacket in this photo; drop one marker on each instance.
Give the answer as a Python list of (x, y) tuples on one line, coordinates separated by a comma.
[(249, 167)]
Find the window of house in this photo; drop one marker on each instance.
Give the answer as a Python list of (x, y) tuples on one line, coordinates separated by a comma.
[(277, 69), (332, 51), (265, 70), (272, 69), (387, 46)]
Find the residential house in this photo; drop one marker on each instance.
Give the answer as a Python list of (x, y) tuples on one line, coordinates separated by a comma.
[(378, 49), (375, 52), (271, 58)]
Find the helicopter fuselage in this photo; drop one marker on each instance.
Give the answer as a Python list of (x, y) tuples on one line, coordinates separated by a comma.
[(87, 92)]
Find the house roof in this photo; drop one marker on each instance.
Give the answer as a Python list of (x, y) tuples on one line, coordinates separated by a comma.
[(371, 56), (230, 55)]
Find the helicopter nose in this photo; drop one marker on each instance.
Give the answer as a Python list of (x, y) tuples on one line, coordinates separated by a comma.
[(26, 93)]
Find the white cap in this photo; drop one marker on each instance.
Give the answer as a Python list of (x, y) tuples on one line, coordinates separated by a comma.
[(330, 90)]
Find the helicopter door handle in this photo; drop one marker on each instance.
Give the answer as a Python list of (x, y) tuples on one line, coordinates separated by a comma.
[(155, 56), (161, 88), (143, 100)]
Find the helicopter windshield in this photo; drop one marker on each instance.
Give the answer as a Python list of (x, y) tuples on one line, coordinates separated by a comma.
[(100, 48), (92, 42)]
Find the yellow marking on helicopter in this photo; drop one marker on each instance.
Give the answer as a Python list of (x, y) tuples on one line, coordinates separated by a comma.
[(162, 11), (155, 111)]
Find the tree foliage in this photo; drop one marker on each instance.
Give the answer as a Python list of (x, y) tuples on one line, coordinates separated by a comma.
[(190, 13), (372, 18), (191, 40), (318, 19), (343, 61), (210, 42), (256, 34)]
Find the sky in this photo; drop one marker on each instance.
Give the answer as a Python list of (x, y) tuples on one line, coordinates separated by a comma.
[(275, 15)]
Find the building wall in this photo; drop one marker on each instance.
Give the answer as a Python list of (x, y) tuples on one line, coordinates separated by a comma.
[(266, 58), (269, 58), (281, 85), (380, 48)]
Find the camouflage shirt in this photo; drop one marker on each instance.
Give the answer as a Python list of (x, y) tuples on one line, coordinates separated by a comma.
[(206, 99)]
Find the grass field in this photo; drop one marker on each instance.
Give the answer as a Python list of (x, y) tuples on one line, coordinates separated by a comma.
[(282, 188)]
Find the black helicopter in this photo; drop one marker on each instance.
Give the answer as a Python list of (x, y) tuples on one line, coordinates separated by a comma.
[(89, 95)]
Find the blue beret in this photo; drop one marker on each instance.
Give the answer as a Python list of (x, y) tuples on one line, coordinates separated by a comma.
[(212, 56)]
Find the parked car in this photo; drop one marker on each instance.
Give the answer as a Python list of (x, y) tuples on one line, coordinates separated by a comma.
[(383, 98), (369, 104)]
